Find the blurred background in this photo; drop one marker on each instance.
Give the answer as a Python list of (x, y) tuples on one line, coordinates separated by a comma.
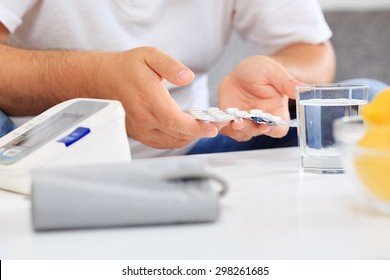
[(361, 38), (354, 4)]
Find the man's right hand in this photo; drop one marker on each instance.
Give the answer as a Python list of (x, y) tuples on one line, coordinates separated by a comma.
[(152, 117)]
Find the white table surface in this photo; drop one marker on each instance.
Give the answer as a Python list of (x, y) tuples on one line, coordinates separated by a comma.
[(273, 211)]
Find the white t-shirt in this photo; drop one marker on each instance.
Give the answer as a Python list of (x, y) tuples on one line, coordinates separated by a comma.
[(193, 31)]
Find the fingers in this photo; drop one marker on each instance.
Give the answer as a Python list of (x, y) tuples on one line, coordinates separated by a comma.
[(245, 130), (160, 140), (173, 121), (168, 68), (161, 123), (152, 115), (282, 80), (182, 127), (265, 70), (167, 139)]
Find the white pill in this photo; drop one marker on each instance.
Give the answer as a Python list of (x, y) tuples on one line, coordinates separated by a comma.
[(206, 118), (242, 114), (212, 109), (217, 113), (256, 111), (232, 111), (223, 118)]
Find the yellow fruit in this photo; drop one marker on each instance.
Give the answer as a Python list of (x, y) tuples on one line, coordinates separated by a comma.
[(374, 172), (378, 111), (373, 167), (377, 117), (377, 137)]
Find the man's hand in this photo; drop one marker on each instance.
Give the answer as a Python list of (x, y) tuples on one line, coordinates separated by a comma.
[(267, 83), (258, 82), (152, 116)]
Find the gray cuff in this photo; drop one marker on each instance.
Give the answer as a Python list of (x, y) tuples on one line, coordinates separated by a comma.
[(137, 193)]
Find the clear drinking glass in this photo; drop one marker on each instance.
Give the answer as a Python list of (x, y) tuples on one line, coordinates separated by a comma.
[(318, 105)]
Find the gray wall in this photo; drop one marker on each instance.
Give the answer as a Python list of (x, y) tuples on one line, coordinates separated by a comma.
[(354, 4)]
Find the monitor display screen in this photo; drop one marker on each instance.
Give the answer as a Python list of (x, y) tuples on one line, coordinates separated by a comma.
[(47, 130)]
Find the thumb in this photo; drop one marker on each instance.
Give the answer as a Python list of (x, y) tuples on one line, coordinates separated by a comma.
[(283, 81), (288, 88), (168, 68)]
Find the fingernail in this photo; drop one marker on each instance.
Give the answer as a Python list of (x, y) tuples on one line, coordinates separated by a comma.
[(185, 75)]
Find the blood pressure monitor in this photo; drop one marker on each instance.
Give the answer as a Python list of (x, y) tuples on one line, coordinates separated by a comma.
[(76, 132)]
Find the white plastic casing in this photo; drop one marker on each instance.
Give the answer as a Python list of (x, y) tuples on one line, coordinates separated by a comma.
[(106, 142)]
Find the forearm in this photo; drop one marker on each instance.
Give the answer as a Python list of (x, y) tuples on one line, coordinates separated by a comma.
[(32, 81), (309, 63)]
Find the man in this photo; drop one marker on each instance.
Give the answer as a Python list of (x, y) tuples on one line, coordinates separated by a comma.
[(154, 55)]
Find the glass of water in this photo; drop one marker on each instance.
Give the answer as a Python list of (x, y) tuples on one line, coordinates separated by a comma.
[(318, 105)]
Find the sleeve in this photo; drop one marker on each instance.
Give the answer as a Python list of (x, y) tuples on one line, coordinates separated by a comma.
[(12, 12), (270, 25)]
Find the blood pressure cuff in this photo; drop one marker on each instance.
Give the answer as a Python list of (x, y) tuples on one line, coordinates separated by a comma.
[(136, 193)]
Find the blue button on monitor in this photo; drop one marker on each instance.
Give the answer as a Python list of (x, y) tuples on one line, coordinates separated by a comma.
[(76, 135)]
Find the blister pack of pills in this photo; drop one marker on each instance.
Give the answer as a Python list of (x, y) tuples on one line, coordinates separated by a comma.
[(214, 114)]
